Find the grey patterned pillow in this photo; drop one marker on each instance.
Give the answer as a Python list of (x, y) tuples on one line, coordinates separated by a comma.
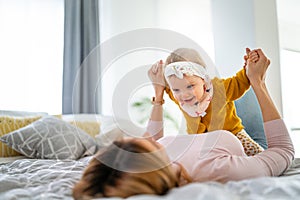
[(51, 138)]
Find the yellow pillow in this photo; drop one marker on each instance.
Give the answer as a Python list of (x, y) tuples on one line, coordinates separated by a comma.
[(90, 127), (90, 123), (9, 124)]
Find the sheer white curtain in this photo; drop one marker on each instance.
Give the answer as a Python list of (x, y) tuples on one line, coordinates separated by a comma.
[(31, 55)]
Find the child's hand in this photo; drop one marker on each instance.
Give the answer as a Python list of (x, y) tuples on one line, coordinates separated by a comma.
[(246, 57), (156, 74), (251, 56)]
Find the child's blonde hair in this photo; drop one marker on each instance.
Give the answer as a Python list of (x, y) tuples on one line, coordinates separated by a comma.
[(185, 54)]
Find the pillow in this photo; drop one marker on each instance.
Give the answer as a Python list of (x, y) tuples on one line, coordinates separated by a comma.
[(91, 128), (105, 129), (51, 138), (90, 123), (9, 124), (113, 128), (17, 113), (247, 108)]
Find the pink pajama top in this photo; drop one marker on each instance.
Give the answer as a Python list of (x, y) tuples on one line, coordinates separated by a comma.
[(219, 155)]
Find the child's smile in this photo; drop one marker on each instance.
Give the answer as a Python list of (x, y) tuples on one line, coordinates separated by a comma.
[(190, 101), (189, 90)]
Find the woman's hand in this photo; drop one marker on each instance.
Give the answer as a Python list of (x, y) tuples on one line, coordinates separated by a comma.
[(256, 74), (156, 75), (256, 68)]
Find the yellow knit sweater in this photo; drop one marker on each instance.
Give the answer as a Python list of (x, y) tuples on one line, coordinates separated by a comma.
[(221, 113)]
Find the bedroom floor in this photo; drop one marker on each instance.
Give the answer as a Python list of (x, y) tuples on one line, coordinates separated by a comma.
[(296, 140)]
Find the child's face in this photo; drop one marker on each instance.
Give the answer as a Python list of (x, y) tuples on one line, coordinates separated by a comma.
[(189, 90)]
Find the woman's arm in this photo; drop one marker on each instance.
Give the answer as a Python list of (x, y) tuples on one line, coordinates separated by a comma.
[(256, 73), (280, 153), (155, 124)]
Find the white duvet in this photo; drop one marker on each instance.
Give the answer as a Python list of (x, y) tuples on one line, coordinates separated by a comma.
[(51, 179)]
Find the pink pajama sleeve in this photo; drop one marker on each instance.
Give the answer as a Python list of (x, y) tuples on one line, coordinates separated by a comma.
[(271, 162)]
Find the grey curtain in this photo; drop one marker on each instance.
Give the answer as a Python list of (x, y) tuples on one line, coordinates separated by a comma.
[(81, 72)]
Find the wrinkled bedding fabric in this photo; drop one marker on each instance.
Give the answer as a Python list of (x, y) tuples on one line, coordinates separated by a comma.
[(40, 179), (53, 179)]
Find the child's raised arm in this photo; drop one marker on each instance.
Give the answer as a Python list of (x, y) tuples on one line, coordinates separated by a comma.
[(155, 124)]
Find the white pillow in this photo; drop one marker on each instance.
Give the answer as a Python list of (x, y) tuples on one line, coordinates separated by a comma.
[(113, 128), (17, 113)]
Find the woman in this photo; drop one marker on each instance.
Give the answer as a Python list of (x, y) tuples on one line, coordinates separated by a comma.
[(143, 166)]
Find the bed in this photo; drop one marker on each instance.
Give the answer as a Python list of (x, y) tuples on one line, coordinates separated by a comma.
[(49, 165), (53, 179)]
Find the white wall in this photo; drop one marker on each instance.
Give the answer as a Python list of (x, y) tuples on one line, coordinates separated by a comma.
[(116, 18), (247, 23), (119, 18), (128, 46), (267, 37), (237, 24)]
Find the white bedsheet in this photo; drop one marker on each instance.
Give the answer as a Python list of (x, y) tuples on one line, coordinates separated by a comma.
[(10, 159), (52, 179)]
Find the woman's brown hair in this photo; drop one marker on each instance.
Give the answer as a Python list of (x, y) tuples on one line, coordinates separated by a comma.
[(124, 169)]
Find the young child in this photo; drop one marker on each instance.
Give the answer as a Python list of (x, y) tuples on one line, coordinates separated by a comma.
[(206, 104)]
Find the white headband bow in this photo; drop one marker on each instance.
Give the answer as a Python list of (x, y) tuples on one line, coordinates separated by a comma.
[(188, 68)]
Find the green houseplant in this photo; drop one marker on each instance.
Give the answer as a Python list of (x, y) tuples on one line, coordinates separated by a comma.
[(142, 108)]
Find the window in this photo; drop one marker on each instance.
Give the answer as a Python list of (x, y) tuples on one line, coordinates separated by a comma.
[(289, 30), (31, 52), (290, 61)]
